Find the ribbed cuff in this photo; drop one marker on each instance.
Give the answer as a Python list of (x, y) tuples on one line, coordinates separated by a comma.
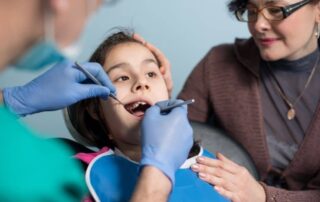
[(10, 103)]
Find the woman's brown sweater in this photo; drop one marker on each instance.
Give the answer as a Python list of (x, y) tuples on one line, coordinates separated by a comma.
[(226, 86)]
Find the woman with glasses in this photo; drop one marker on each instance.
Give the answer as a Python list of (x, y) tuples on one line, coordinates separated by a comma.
[(265, 92)]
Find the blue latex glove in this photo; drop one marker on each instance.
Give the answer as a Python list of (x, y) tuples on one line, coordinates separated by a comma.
[(166, 138), (57, 88)]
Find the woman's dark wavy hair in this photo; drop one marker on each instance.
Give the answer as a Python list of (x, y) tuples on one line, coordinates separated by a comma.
[(236, 4), (90, 129)]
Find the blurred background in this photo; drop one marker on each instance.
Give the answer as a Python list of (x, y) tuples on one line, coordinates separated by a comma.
[(184, 30)]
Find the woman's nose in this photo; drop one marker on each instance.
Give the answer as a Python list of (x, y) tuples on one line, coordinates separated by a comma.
[(262, 23)]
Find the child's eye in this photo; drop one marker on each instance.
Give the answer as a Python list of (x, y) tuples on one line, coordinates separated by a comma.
[(151, 74), (122, 78)]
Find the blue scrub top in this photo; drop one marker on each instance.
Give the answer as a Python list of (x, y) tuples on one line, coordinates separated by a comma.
[(35, 169)]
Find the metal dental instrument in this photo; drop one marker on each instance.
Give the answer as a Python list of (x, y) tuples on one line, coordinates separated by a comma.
[(96, 81), (168, 108)]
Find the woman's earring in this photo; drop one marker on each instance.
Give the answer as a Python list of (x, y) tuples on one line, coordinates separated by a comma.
[(317, 33)]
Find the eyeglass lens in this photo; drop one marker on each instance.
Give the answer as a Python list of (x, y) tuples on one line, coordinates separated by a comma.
[(270, 13)]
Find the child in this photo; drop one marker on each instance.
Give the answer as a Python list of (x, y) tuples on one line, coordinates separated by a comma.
[(112, 173)]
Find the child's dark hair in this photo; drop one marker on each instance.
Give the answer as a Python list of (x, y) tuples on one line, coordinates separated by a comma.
[(93, 130), (100, 54)]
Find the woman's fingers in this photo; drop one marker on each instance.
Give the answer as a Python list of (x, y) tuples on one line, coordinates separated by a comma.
[(225, 180), (229, 179), (222, 172), (138, 38), (225, 159), (225, 164), (165, 67), (164, 62)]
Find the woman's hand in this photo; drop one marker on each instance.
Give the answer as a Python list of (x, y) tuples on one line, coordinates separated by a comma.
[(229, 179), (165, 67)]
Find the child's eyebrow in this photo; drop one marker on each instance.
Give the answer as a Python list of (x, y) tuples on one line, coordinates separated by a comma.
[(146, 61), (151, 60), (117, 66)]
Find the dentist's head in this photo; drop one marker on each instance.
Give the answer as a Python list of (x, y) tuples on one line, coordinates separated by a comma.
[(34, 33)]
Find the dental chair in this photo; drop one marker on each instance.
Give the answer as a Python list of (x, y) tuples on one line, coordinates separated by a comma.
[(216, 140)]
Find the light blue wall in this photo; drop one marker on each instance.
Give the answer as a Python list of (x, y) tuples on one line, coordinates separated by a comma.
[(183, 29)]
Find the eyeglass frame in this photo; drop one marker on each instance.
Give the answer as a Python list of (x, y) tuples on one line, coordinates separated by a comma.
[(286, 10)]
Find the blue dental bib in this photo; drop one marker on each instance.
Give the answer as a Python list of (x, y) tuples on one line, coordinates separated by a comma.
[(112, 178)]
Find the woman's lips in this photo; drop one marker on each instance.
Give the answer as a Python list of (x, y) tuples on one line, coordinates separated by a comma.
[(267, 41)]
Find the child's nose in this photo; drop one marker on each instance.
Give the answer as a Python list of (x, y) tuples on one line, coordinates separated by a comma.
[(141, 84)]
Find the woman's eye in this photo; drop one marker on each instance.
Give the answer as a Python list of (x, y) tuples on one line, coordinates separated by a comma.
[(274, 10), (151, 74), (122, 78)]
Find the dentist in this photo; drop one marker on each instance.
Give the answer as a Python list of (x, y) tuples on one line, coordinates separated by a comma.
[(34, 34)]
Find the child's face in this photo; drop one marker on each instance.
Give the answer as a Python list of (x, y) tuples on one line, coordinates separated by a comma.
[(134, 71)]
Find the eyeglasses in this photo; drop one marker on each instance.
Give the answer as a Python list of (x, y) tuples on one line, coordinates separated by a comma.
[(272, 13)]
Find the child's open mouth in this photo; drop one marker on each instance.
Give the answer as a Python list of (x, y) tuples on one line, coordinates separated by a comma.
[(137, 108)]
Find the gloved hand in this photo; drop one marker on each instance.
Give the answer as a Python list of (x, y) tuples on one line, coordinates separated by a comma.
[(57, 88), (166, 138)]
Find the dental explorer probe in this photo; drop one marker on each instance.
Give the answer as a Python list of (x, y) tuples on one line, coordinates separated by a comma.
[(168, 108), (96, 81)]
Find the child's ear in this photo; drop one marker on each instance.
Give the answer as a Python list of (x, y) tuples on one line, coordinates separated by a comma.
[(110, 136), (93, 109)]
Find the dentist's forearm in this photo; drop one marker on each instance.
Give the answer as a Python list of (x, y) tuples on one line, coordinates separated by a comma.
[(153, 186)]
